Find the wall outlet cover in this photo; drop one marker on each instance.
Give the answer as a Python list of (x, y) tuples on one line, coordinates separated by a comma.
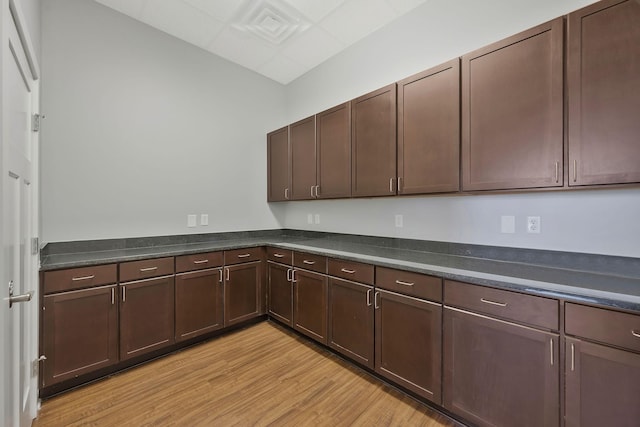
[(399, 221), (192, 220), (204, 219), (317, 218), (533, 224), (309, 218)]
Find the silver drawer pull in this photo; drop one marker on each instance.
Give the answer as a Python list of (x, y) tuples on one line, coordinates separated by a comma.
[(244, 256), (77, 279), (308, 262), (278, 255), (635, 334), (499, 304), (344, 270), (202, 261), (145, 270), (400, 282)]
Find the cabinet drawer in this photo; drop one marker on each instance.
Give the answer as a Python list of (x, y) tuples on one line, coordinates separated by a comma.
[(283, 256), (605, 326), (198, 261), (237, 256), (528, 309), (405, 282), (350, 270), (78, 278), (136, 270), (310, 262)]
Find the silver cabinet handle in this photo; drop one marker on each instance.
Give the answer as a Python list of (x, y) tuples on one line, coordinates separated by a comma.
[(244, 256), (13, 299), (376, 305), (635, 334), (77, 279), (369, 297), (202, 261), (124, 294), (145, 270), (286, 193), (293, 276), (344, 270), (573, 358), (228, 274), (308, 262), (221, 278), (399, 184), (400, 282), (317, 191), (499, 304), (113, 296), (575, 170), (289, 274), (312, 187), (557, 171), (391, 187), (551, 350), (278, 255)]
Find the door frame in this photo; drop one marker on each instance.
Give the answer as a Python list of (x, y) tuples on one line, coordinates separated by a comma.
[(11, 10)]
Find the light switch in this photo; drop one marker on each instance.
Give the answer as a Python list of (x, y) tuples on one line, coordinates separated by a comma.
[(317, 218), (309, 218), (399, 221), (204, 219), (508, 224), (192, 220)]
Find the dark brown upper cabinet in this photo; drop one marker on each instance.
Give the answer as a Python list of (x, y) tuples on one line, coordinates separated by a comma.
[(512, 112), (302, 143), (278, 166), (333, 139), (603, 90), (429, 131), (373, 143)]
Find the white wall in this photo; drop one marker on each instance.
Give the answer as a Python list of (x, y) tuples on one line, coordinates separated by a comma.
[(582, 221), (143, 129)]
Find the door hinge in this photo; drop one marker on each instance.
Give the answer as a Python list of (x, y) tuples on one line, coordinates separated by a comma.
[(35, 245), (35, 122)]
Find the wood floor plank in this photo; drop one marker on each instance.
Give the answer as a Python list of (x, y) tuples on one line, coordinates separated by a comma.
[(264, 375)]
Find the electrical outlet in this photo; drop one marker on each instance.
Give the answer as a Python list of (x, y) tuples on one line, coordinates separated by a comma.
[(533, 224), (317, 218), (204, 219), (399, 220), (309, 218), (508, 224), (192, 220)]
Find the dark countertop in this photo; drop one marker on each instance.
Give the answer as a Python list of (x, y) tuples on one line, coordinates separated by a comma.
[(594, 279)]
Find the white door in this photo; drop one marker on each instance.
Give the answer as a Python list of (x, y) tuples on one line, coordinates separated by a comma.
[(19, 219)]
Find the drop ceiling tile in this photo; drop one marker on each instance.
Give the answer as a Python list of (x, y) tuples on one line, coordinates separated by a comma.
[(282, 69), (181, 20), (314, 10), (357, 18), (222, 10), (132, 8), (313, 47), (242, 48), (403, 6)]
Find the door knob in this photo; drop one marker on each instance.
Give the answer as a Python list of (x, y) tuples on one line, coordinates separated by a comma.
[(13, 299)]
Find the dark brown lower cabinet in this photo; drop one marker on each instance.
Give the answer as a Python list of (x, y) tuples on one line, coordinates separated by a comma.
[(408, 343), (146, 316), (199, 303), (280, 292), (351, 320), (80, 330), (602, 385), (242, 292), (310, 304), (498, 373)]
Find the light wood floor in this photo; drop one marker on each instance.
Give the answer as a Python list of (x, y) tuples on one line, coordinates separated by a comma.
[(262, 375)]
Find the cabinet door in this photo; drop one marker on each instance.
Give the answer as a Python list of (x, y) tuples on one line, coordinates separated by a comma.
[(146, 316), (310, 304), (512, 112), (408, 343), (333, 138), (302, 140), (351, 320), (280, 293), (198, 303), (242, 294), (429, 131), (80, 333), (373, 141), (498, 373), (602, 386), (603, 65), (278, 165)]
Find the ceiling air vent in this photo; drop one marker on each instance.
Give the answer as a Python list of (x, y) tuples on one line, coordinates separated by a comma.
[(271, 20)]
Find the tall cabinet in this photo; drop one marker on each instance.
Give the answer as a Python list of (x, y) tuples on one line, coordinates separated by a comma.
[(278, 166), (603, 90)]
